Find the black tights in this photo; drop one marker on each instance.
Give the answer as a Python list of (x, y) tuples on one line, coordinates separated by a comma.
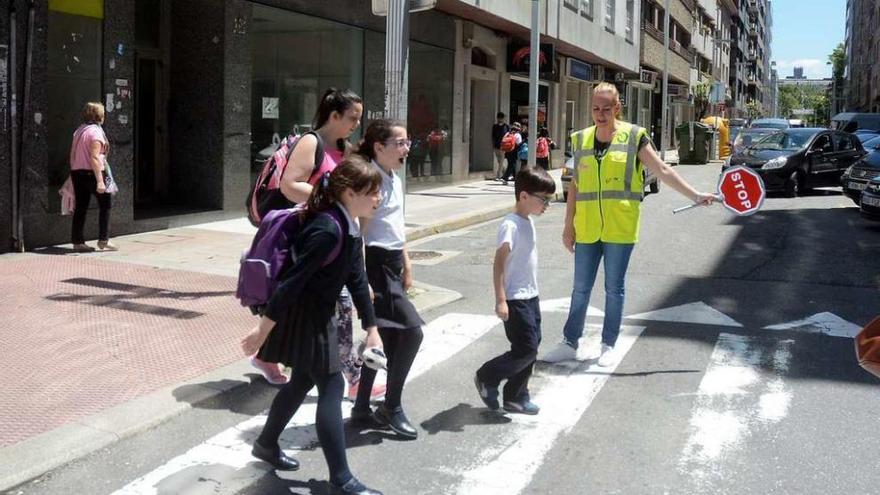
[(328, 419), (401, 347)]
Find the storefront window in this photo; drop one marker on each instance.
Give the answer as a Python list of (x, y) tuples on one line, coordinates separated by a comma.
[(294, 59), (74, 78), (430, 110)]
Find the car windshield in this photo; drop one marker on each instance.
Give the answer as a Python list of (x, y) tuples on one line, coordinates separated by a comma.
[(871, 143), (791, 139), (770, 124), (748, 137)]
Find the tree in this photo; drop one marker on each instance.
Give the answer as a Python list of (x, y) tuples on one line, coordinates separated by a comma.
[(837, 60), (753, 109), (701, 99), (789, 99)]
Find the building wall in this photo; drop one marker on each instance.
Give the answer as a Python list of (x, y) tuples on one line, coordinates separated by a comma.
[(652, 55)]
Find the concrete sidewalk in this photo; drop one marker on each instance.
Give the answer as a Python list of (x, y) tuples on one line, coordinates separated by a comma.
[(101, 346)]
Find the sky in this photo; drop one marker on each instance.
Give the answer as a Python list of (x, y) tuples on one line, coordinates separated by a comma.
[(804, 34)]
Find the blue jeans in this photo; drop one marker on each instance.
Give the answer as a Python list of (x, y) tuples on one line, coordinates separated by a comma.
[(586, 265)]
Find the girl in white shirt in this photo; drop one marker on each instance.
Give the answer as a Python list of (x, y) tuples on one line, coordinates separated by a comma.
[(389, 272)]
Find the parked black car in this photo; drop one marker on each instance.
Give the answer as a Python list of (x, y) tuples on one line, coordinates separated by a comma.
[(796, 160), (856, 177), (869, 205)]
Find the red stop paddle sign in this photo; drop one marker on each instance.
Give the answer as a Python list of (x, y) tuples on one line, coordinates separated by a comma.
[(742, 190)]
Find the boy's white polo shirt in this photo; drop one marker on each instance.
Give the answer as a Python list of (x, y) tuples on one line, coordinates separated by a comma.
[(521, 267)]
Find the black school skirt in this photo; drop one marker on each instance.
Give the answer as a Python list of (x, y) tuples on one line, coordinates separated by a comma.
[(385, 273), (305, 337)]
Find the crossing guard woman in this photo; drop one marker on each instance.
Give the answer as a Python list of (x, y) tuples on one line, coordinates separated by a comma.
[(602, 215)]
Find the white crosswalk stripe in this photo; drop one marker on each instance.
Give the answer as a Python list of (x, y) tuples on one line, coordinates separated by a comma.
[(227, 454)]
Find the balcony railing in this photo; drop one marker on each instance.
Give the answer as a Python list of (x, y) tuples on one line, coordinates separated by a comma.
[(687, 53)]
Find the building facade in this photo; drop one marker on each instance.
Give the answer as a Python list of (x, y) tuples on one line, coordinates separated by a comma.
[(199, 92), (862, 44)]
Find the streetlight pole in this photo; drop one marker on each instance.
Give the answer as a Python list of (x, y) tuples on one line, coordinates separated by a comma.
[(534, 65), (397, 63), (665, 94)]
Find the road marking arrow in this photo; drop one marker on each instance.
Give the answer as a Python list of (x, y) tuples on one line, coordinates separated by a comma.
[(827, 323), (695, 312)]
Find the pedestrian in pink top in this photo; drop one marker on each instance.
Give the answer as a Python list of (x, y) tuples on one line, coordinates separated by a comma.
[(89, 175)]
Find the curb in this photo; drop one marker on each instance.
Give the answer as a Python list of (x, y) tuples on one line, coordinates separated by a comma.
[(457, 222), (35, 456)]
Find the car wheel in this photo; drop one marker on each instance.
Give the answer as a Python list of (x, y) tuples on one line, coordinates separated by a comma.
[(793, 185)]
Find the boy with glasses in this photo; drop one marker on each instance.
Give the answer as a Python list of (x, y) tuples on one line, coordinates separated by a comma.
[(515, 277)]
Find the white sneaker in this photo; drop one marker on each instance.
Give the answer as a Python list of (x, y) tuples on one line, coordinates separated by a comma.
[(608, 358), (562, 352)]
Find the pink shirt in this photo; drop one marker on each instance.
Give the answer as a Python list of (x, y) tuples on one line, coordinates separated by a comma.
[(332, 157), (80, 154)]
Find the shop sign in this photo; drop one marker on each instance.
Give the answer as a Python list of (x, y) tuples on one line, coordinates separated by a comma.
[(677, 90), (647, 76), (580, 70), (519, 59), (270, 108)]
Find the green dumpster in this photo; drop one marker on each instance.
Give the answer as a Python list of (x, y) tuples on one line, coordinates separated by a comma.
[(693, 143)]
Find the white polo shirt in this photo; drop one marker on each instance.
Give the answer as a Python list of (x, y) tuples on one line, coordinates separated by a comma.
[(387, 229)]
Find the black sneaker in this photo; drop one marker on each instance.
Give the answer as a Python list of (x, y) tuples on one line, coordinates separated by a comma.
[(489, 395), (354, 487), (524, 407)]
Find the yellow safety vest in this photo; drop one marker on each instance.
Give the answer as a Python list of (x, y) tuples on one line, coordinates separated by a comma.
[(609, 194)]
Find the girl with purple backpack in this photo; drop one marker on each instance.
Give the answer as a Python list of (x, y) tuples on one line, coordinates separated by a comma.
[(299, 327), (337, 117)]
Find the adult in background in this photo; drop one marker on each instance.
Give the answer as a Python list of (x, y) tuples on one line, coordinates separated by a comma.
[(89, 175), (499, 129), (602, 215)]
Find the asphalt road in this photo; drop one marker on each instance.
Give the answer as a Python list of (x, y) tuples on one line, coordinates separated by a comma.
[(707, 399)]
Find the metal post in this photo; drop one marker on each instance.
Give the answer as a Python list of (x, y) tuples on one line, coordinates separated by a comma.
[(13, 119), (534, 65), (397, 65), (664, 105)]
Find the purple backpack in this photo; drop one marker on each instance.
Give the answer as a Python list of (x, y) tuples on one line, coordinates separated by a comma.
[(271, 253)]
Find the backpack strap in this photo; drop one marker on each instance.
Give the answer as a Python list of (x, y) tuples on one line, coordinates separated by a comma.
[(319, 153), (334, 253)]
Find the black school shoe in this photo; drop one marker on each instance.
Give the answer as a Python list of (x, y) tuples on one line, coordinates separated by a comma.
[(363, 419), (276, 457), (353, 487), (396, 420)]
